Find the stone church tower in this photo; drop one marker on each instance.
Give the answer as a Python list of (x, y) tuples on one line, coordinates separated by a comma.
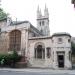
[(43, 21)]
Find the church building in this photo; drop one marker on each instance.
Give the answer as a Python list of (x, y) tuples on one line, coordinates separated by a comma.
[(41, 49)]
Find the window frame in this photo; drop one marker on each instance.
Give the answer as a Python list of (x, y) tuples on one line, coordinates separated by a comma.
[(60, 40), (37, 50), (43, 23), (69, 40), (48, 49)]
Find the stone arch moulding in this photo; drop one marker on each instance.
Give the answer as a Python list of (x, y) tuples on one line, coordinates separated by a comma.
[(39, 43), (14, 30)]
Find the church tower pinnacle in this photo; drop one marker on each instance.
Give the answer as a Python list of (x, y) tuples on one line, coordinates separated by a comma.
[(46, 12), (39, 12), (43, 21)]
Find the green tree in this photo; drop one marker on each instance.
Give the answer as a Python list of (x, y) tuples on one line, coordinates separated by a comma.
[(3, 15), (14, 58), (15, 55)]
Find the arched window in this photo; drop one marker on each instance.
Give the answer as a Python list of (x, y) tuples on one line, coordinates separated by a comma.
[(48, 52), (40, 23), (39, 52), (69, 40), (43, 22), (0, 29), (15, 40)]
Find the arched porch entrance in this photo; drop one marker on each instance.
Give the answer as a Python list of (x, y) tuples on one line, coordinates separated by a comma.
[(39, 51)]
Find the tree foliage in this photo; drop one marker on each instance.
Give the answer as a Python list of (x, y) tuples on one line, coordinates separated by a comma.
[(3, 15), (9, 59)]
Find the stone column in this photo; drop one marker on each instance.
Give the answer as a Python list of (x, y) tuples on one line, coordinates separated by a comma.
[(42, 54), (23, 42), (36, 53), (55, 60), (66, 57), (45, 53), (27, 49), (67, 61)]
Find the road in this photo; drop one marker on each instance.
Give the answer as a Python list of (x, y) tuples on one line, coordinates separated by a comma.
[(30, 73)]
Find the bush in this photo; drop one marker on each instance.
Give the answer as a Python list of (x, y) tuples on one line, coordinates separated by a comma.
[(9, 59)]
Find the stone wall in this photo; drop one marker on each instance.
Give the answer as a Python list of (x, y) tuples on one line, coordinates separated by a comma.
[(4, 42), (34, 62), (3, 23)]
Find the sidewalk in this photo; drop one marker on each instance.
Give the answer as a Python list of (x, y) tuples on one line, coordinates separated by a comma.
[(40, 70)]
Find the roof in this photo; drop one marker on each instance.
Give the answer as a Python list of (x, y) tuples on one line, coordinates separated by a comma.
[(18, 22), (61, 34), (21, 22), (41, 37), (31, 26)]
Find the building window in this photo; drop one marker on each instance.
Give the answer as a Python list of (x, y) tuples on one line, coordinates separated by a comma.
[(43, 22), (34, 35), (39, 52), (69, 41), (59, 40), (53, 56), (0, 29), (48, 52), (41, 31), (40, 23), (15, 40), (69, 55)]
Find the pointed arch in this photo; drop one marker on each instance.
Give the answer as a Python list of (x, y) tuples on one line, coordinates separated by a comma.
[(15, 40)]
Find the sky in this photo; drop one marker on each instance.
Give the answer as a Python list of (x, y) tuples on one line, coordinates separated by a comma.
[(61, 13)]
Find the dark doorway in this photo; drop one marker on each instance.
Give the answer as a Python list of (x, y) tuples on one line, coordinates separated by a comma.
[(61, 61), (39, 51)]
